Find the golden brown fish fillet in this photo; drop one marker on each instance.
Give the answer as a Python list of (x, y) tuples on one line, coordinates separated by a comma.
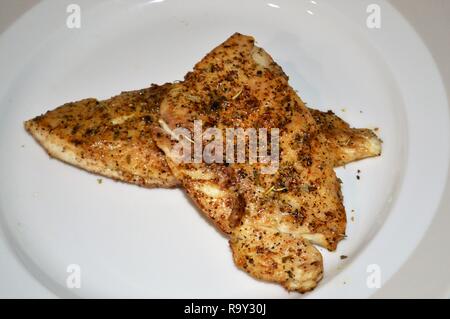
[(273, 219), (110, 137), (62, 132), (346, 144), (90, 134)]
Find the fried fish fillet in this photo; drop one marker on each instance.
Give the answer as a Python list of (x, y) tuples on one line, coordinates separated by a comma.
[(346, 144), (273, 219), (111, 137)]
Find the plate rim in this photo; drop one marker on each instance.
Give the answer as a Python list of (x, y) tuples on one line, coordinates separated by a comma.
[(26, 16)]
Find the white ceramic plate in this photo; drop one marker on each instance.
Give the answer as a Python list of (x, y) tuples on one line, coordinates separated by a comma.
[(134, 242)]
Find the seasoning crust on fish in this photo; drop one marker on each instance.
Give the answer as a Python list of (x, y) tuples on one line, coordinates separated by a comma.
[(62, 132), (273, 219), (111, 137)]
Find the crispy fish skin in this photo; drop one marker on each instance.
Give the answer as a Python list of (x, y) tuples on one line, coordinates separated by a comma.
[(111, 137), (273, 220)]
